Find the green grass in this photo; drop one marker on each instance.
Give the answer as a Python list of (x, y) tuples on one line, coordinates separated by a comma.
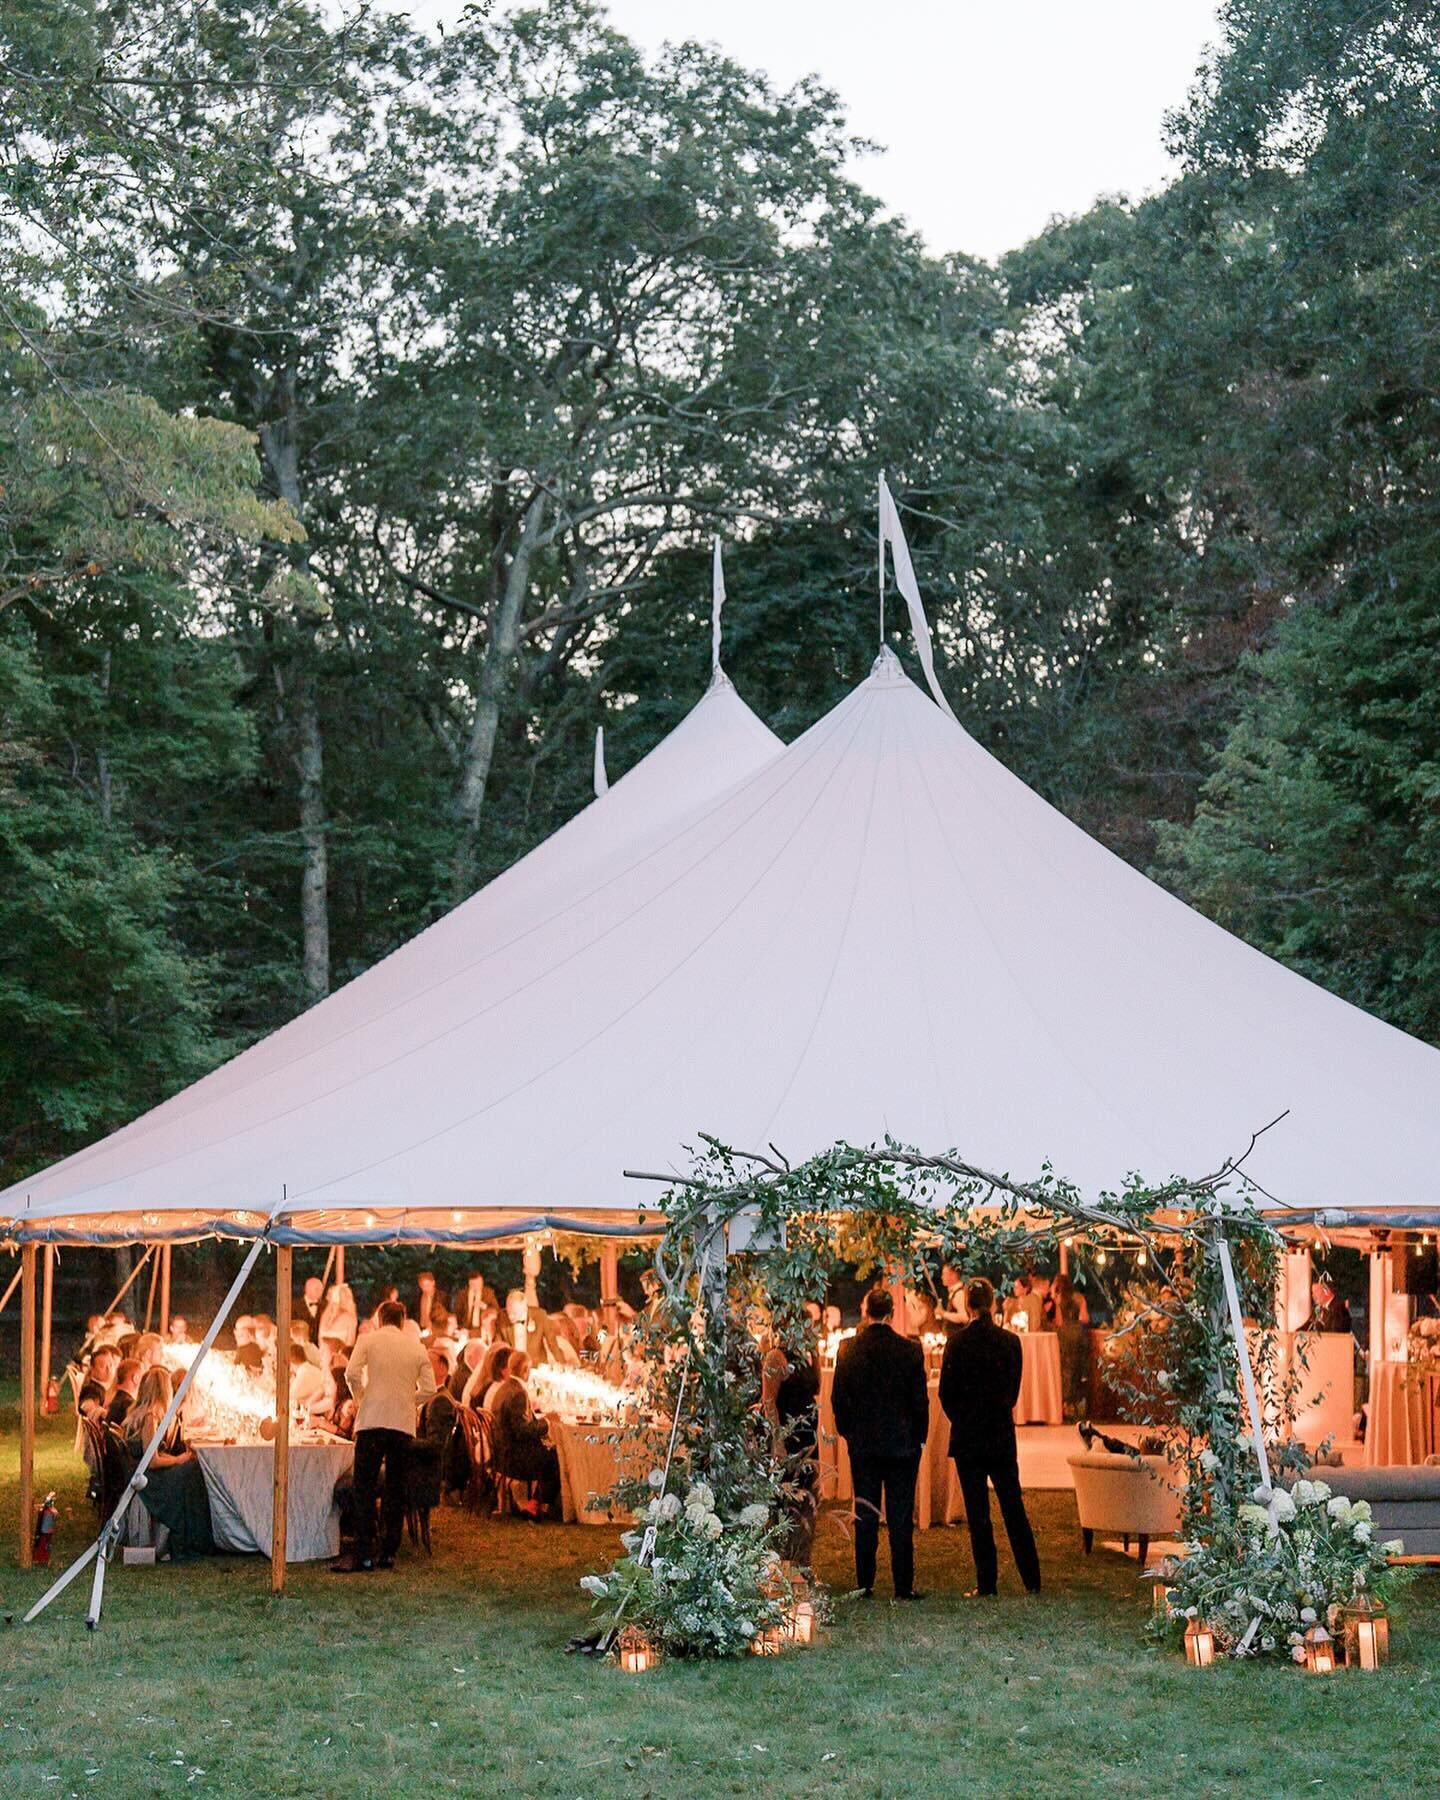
[(449, 1677)]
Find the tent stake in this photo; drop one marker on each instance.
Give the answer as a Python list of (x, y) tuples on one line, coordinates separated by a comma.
[(27, 1401), (104, 1545), (281, 1514)]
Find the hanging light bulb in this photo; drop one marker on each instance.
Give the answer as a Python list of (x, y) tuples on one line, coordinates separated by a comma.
[(1142, 1258)]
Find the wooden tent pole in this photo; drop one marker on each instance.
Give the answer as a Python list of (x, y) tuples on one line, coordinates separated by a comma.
[(339, 1263), (610, 1286), (150, 1291), (283, 1255), (47, 1315), (165, 1250), (27, 1401)]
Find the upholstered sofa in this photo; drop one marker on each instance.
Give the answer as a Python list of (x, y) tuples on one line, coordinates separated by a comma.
[(1125, 1497), (1404, 1503)]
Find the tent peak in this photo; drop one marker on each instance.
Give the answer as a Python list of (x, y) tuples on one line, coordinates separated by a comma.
[(887, 669), (718, 679)]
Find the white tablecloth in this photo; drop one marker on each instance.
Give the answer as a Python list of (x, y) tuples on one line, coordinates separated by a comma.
[(933, 1500), (1040, 1399), (1400, 1425), (240, 1479), (592, 1459)]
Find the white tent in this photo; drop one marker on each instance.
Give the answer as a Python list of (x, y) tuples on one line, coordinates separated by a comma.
[(717, 744), (878, 931)]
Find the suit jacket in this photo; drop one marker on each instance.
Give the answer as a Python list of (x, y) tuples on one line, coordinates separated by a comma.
[(979, 1385), (879, 1397), (390, 1376)]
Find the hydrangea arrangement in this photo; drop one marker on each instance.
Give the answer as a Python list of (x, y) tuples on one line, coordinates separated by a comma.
[(711, 1583), (1274, 1566)]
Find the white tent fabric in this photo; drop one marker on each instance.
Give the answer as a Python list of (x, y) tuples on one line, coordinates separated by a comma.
[(720, 742), (879, 931)]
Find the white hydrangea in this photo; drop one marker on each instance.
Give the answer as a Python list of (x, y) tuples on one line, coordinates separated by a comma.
[(1322, 1492), (1395, 1547), (1308, 1615), (1303, 1493), (667, 1507), (754, 1514), (1361, 1532), (592, 1584), (701, 1495), (712, 1526), (1209, 1461), (1282, 1507), (656, 1478), (1360, 1509), (1338, 1507)]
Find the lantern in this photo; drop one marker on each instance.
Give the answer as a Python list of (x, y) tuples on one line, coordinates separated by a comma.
[(1364, 1632), (635, 1652), (1199, 1644), (1319, 1651), (767, 1643), (1160, 1599), (800, 1622)]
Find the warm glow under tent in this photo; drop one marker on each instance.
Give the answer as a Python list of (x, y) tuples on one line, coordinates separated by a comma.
[(879, 930)]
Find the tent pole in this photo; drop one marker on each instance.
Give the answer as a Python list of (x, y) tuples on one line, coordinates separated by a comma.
[(165, 1290), (47, 1316), (150, 1291), (610, 1286), (531, 1265), (339, 1262), (100, 1551), (27, 1401), (128, 1282), (281, 1515)]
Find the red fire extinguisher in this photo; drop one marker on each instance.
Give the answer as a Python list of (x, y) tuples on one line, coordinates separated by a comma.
[(52, 1395), (44, 1530)]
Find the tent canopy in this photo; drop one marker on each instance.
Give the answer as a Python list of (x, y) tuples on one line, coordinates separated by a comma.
[(879, 931)]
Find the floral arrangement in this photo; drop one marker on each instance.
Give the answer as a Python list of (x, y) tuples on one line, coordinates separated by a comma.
[(709, 1583), (1275, 1565)]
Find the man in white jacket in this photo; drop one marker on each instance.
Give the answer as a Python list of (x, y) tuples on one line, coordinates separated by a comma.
[(390, 1378)]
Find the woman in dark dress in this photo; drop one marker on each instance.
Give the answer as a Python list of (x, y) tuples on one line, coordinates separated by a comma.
[(522, 1449), (790, 1396), (174, 1494)]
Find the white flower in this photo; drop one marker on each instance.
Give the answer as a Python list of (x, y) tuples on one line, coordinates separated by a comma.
[(1267, 1643), (1360, 1510), (1209, 1461), (1282, 1507), (1338, 1507), (754, 1514), (629, 1539), (656, 1478), (713, 1527), (1294, 1638), (701, 1495), (1303, 1493), (667, 1506), (746, 1628), (1245, 1441), (1322, 1491), (1252, 1514), (592, 1584), (1297, 1654), (1307, 1615), (1361, 1533), (1395, 1547)]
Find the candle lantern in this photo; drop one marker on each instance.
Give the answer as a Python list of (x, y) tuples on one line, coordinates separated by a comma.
[(767, 1643), (1364, 1630), (1199, 1644), (1160, 1599), (800, 1622), (635, 1652), (1319, 1651)]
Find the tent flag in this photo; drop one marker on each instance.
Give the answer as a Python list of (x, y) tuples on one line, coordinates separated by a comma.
[(717, 600), (892, 532), (602, 780)]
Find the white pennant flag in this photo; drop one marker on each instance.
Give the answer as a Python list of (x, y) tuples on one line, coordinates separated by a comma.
[(717, 600), (892, 533), (602, 781)]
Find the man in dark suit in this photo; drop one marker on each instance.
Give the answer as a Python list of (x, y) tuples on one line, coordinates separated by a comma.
[(979, 1385), (883, 1413)]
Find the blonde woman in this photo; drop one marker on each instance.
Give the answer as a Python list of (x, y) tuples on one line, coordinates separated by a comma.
[(339, 1319), (174, 1494)]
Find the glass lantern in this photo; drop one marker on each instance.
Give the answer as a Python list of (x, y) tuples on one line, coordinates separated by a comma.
[(1199, 1644), (1319, 1651), (800, 1621), (1364, 1631), (769, 1642), (635, 1652)]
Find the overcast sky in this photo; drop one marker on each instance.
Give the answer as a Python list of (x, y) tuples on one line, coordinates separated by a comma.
[(995, 114)]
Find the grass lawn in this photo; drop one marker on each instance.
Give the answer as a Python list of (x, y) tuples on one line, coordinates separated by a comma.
[(449, 1676)]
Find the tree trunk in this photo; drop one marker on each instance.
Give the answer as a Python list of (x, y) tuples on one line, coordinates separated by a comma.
[(501, 645), (315, 870), (279, 439)]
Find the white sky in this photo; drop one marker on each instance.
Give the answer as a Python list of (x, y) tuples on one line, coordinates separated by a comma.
[(995, 114)]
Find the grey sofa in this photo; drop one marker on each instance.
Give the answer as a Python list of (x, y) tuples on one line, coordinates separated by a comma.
[(1404, 1503)]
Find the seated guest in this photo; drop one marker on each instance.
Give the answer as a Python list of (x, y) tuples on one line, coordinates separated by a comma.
[(248, 1353), (300, 1334), (309, 1390), (179, 1332), (126, 1343), (149, 1349), (99, 1380), (121, 1397), (174, 1494), (522, 1451), (429, 1301), (437, 1422), (338, 1318), (265, 1335), (481, 1387), (471, 1356)]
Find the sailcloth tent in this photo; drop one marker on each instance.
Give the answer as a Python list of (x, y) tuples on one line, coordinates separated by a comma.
[(880, 930), (718, 743)]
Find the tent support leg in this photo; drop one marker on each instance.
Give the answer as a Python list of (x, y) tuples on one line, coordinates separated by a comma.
[(281, 1515), (154, 1282), (27, 1401), (47, 1318), (103, 1546), (610, 1287), (339, 1262), (165, 1290)]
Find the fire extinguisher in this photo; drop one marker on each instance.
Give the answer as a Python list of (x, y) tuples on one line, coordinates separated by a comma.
[(52, 1395), (44, 1530)]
